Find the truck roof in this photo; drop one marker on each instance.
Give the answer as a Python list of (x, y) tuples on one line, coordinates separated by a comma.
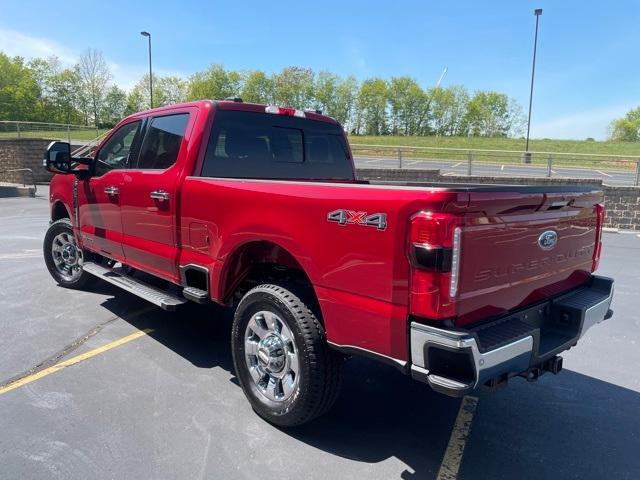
[(229, 105)]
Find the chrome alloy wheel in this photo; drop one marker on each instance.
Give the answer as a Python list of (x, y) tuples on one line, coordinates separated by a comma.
[(271, 356), (67, 257)]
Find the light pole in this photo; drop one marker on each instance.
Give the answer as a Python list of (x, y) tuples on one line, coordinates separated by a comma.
[(148, 35), (527, 156)]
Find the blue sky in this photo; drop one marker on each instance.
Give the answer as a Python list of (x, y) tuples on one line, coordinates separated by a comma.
[(588, 51)]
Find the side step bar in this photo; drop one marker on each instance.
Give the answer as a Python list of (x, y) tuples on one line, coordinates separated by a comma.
[(157, 296)]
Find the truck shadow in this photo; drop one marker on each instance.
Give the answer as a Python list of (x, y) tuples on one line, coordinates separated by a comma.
[(568, 426)]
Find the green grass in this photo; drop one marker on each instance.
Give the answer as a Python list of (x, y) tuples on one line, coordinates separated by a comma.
[(630, 150)]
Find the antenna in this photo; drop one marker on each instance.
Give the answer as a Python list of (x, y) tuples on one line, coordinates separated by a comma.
[(444, 72)]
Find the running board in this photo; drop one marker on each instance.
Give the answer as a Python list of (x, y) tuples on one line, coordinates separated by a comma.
[(157, 296)]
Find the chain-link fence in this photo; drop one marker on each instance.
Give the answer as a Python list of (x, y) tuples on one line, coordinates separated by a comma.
[(611, 169), (54, 131)]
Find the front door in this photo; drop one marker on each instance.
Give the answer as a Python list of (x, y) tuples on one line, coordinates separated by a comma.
[(99, 197), (149, 197)]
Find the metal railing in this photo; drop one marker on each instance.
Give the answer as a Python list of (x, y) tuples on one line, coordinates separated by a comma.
[(24, 171), (611, 169), (54, 131)]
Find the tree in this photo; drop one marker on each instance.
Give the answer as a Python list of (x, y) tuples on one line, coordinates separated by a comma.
[(409, 106), (293, 87), (627, 128), (257, 88), (95, 76), (19, 90), (214, 83), (372, 107), (114, 106), (171, 89), (448, 110), (345, 102), (492, 114)]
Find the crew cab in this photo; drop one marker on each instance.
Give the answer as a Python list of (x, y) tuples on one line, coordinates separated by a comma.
[(258, 208)]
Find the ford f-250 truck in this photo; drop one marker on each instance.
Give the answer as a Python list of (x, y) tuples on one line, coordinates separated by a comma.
[(258, 208)]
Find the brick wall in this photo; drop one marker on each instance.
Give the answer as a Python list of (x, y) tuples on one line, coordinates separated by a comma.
[(23, 153), (622, 203)]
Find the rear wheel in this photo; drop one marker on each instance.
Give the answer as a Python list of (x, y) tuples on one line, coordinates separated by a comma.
[(63, 257), (281, 357)]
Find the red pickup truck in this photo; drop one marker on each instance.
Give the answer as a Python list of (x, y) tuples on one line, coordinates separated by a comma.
[(258, 208)]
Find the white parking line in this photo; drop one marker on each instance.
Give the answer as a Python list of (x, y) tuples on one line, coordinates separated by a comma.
[(455, 449), (449, 174), (457, 165), (602, 173), (501, 168)]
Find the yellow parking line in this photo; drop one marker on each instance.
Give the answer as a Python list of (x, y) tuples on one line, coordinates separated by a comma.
[(72, 361), (453, 456)]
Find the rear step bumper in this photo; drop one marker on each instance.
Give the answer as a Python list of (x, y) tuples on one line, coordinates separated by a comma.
[(525, 342)]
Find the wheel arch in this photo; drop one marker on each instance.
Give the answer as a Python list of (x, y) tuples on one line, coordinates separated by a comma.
[(263, 261), (59, 210)]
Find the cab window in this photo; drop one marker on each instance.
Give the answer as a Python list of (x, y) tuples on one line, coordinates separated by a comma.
[(114, 154), (162, 141)]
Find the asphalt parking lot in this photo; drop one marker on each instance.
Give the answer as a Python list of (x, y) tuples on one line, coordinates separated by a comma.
[(166, 404), (495, 168)]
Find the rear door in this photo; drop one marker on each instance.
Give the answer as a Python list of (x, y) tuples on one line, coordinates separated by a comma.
[(100, 197), (520, 248), (149, 195)]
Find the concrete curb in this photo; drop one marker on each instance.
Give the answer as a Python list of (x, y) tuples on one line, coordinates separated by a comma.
[(7, 191)]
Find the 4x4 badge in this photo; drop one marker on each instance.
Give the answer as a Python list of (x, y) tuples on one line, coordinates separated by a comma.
[(354, 217)]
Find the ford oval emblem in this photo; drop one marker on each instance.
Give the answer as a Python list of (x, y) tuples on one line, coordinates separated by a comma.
[(547, 240)]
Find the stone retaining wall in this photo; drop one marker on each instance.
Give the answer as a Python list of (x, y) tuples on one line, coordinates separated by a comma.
[(23, 153)]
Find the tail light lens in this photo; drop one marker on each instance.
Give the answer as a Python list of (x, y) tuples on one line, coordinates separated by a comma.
[(599, 224), (434, 253)]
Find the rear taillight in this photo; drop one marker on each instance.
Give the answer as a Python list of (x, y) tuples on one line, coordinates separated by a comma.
[(434, 253), (286, 111), (599, 224)]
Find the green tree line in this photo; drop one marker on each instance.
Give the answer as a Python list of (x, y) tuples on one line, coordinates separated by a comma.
[(43, 90), (627, 128)]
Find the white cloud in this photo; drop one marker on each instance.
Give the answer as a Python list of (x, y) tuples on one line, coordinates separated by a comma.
[(591, 123), (18, 44), (15, 43)]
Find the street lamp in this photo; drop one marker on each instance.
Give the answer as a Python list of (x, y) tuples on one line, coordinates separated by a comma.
[(527, 156), (148, 35)]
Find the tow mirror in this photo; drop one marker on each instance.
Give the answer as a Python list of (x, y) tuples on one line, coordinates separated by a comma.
[(58, 159)]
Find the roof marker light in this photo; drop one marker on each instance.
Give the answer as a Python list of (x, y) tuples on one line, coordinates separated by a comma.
[(286, 111)]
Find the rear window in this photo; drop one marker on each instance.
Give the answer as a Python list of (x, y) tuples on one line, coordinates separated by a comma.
[(263, 145)]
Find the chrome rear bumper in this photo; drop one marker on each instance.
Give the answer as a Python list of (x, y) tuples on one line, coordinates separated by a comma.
[(525, 342)]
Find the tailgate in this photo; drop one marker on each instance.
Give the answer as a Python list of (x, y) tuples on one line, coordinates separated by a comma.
[(520, 248)]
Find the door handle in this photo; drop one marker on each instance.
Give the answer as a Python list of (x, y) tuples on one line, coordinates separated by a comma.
[(159, 195), (111, 190)]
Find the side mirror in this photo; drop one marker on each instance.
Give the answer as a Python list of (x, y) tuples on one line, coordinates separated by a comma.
[(58, 159)]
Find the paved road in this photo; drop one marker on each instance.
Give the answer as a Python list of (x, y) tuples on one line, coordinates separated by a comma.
[(447, 167), (167, 405)]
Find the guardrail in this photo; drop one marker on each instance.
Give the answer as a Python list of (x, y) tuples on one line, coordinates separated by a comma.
[(24, 171), (612, 169), (53, 131)]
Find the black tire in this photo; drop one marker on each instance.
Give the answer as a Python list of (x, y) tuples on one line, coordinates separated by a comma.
[(78, 281), (319, 373)]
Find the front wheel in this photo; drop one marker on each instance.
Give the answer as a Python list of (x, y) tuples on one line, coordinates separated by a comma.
[(281, 357), (63, 257)]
